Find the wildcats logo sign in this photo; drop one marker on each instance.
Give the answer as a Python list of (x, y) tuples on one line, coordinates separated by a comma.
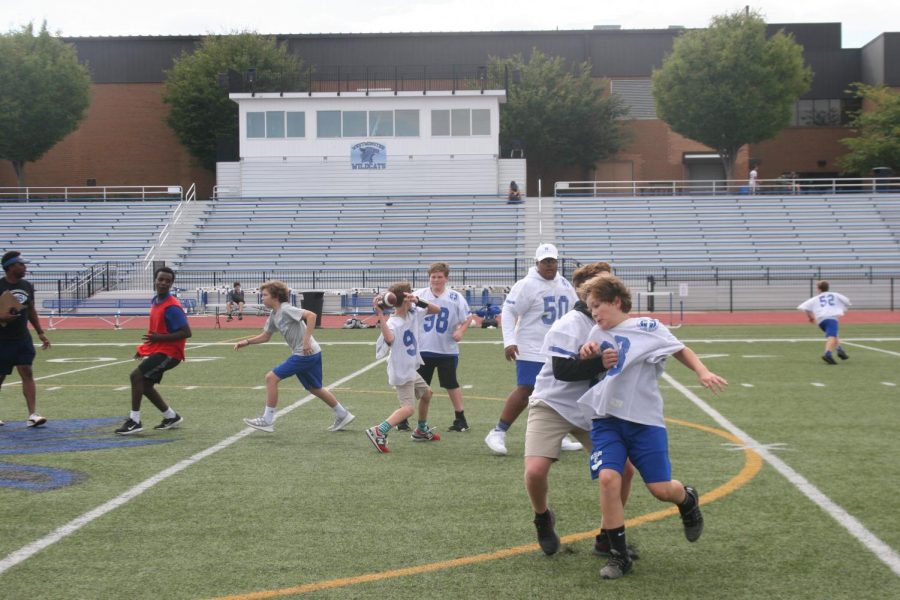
[(368, 155)]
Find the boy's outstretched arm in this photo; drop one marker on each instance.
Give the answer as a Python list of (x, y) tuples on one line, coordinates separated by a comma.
[(708, 379)]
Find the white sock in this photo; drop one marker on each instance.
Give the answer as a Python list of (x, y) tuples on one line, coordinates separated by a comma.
[(135, 416), (169, 414), (269, 414), (339, 411)]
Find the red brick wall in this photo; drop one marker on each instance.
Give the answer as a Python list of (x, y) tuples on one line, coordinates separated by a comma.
[(123, 140), (800, 149)]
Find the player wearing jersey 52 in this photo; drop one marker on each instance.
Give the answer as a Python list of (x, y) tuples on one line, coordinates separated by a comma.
[(824, 309), (533, 304)]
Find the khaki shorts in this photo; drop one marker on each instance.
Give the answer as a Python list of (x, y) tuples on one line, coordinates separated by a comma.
[(409, 392), (545, 430)]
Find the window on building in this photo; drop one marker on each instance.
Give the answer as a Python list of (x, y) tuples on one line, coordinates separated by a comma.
[(827, 112), (381, 123), (806, 113), (296, 124), (256, 125), (274, 123), (354, 123), (328, 124), (460, 122), (406, 123), (481, 121), (440, 122)]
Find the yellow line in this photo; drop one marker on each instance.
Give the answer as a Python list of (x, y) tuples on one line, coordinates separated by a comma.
[(752, 464)]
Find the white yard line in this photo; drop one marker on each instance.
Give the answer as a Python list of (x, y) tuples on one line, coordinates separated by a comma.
[(882, 551), (892, 353), (26, 552)]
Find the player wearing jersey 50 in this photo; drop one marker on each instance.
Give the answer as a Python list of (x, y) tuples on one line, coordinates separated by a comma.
[(626, 410), (824, 310), (533, 304), (441, 333)]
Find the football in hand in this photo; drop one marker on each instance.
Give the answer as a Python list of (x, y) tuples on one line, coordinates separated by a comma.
[(388, 300)]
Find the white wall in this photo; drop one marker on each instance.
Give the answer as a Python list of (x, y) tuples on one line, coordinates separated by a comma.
[(228, 178), (511, 169)]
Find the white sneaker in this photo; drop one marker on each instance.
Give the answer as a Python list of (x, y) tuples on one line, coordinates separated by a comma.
[(36, 420), (2, 423), (261, 424), (570, 445), (341, 423), (496, 441)]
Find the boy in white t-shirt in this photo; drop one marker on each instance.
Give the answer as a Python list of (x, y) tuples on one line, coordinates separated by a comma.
[(824, 310), (626, 411), (305, 362), (401, 332)]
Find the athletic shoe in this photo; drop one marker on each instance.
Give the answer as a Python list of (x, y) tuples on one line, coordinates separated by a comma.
[(570, 445), (241, 317), (2, 423), (459, 425), (617, 566), (425, 436), (170, 423), (261, 424), (692, 519), (829, 359), (340, 423), (602, 547), (228, 320), (841, 354), (35, 420), (496, 441), (403, 425), (378, 439), (129, 427), (547, 537)]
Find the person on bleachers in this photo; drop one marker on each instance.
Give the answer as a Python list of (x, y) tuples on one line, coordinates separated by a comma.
[(235, 297), (513, 196), (16, 347)]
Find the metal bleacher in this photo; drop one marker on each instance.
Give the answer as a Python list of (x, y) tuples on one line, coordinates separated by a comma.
[(74, 235), (845, 229), (300, 233)]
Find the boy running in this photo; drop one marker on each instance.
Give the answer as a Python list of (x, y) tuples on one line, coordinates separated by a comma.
[(824, 309), (296, 325), (401, 332)]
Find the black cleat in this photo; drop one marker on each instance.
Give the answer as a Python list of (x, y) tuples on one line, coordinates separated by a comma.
[(459, 425), (129, 427), (693, 518), (403, 425), (617, 566), (841, 354), (548, 539), (170, 423), (602, 547), (829, 359)]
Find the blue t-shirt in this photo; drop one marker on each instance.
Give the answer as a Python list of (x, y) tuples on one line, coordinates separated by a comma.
[(175, 317)]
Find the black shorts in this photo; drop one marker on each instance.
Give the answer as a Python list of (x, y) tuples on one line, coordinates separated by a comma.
[(14, 353), (446, 368), (155, 365)]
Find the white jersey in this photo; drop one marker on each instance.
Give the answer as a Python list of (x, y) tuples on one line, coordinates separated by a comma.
[(437, 330), (289, 321), (405, 357), (827, 305), (531, 307), (630, 390), (564, 339)]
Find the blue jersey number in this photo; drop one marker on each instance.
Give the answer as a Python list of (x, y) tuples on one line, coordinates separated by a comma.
[(438, 322), (826, 299), (409, 340), (554, 307), (622, 344)]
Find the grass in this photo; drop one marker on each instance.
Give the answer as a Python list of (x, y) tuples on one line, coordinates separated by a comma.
[(304, 506)]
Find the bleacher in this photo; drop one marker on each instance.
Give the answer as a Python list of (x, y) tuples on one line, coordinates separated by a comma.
[(73, 235), (293, 233), (732, 230)]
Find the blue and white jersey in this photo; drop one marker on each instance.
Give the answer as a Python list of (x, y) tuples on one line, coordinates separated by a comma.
[(531, 307), (564, 339), (827, 305), (437, 330), (405, 357), (630, 390)]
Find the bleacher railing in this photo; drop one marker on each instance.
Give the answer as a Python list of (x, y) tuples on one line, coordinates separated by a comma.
[(779, 186), (92, 193), (163, 235)]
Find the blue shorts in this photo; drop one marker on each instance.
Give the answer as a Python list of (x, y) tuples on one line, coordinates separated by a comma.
[(615, 440), (308, 370), (527, 372), (830, 327), (14, 353)]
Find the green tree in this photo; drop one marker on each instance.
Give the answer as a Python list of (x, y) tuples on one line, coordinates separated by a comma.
[(878, 142), (201, 111), (561, 116), (730, 85), (44, 93)]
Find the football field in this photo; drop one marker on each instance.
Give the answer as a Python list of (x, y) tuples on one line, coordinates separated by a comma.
[(797, 466)]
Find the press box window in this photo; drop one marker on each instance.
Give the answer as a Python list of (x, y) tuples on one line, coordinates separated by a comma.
[(481, 121), (459, 122), (296, 124), (256, 125), (381, 123), (407, 123), (354, 123), (328, 124), (440, 122), (275, 124)]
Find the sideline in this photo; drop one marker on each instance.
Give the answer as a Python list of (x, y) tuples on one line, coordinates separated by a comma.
[(891, 352), (77, 523), (882, 551)]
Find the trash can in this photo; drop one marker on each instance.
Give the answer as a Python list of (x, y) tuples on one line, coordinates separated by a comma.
[(314, 301)]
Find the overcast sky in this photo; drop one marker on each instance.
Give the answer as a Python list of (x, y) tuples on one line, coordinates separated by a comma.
[(862, 20)]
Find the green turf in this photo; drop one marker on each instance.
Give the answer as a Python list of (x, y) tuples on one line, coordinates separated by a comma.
[(303, 505)]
